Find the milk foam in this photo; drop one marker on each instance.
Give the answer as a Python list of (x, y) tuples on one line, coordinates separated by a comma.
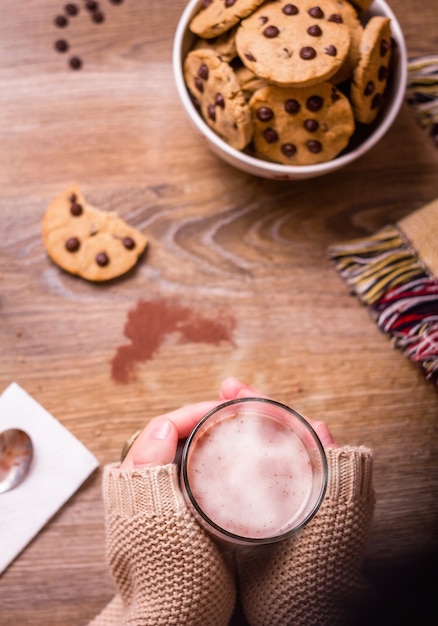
[(251, 475)]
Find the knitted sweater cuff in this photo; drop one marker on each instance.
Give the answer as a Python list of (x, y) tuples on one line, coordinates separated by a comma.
[(149, 491), (350, 474)]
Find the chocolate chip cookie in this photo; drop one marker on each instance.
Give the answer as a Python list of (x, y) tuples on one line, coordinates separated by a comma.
[(218, 16), (224, 45), (216, 93), (301, 126), (90, 243), (350, 18), (294, 44), (370, 77)]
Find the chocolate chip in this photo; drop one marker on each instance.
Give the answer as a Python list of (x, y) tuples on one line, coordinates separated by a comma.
[(311, 125), (116, 1), (316, 12), (71, 9), (61, 21), (270, 135), (314, 146), (307, 53), (75, 63), (336, 18), (332, 51), (288, 149), (335, 95), (219, 101), (206, 3), (76, 209), (314, 103), (383, 72), (203, 71), (250, 57), (129, 243), (199, 84), (264, 114), (376, 102), (229, 3), (102, 259), (271, 31), (73, 198), (290, 9), (369, 88), (292, 106), (263, 19), (98, 17), (61, 45), (384, 47), (91, 5), (73, 244), (211, 112), (314, 30)]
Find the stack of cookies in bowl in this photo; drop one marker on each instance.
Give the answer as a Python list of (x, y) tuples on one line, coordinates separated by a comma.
[(292, 83)]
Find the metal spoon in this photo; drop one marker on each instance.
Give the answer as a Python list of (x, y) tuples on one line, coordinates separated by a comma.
[(16, 452)]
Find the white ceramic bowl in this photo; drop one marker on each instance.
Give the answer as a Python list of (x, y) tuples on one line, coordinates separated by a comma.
[(361, 142)]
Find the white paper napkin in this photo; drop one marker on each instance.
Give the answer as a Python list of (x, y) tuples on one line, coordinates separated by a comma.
[(60, 465)]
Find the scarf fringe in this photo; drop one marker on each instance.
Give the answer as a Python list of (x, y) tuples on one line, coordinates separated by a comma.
[(401, 294)]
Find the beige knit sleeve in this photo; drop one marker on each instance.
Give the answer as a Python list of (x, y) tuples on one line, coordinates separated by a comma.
[(315, 578), (166, 569)]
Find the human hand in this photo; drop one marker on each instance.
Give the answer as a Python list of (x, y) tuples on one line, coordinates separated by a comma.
[(157, 443)]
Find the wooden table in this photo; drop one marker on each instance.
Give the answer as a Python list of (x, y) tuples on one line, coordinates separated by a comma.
[(225, 248)]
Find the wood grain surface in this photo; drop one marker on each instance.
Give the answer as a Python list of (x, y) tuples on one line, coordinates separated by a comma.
[(243, 260)]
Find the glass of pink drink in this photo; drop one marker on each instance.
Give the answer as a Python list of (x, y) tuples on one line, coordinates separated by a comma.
[(253, 471)]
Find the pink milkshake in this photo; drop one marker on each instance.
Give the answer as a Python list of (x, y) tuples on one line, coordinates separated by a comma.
[(253, 471)]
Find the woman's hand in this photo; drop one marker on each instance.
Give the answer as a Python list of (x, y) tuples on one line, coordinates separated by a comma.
[(158, 441)]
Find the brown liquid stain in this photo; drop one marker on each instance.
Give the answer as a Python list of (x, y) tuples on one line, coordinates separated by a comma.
[(150, 322)]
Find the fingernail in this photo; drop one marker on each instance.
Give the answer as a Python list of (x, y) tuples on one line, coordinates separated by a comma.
[(161, 429)]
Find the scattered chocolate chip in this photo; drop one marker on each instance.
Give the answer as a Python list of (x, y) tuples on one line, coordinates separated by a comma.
[(384, 47), (331, 51), (335, 95), (211, 112), (76, 209), (307, 53), (292, 106), (71, 9), (250, 57), (336, 18), (376, 102), (91, 5), (199, 84), (73, 244), (263, 19), (206, 3), (314, 31), (264, 114), (203, 71), (288, 149), (383, 72), (129, 243), (61, 21), (316, 12), (61, 45), (369, 88), (116, 1), (311, 125), (102, 259), (290, 9), (219, 101), (270, 135), (314, 103), (271, 31), (314, 146), (229, 3), (98, 17), (73, 198), (75, 63)]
